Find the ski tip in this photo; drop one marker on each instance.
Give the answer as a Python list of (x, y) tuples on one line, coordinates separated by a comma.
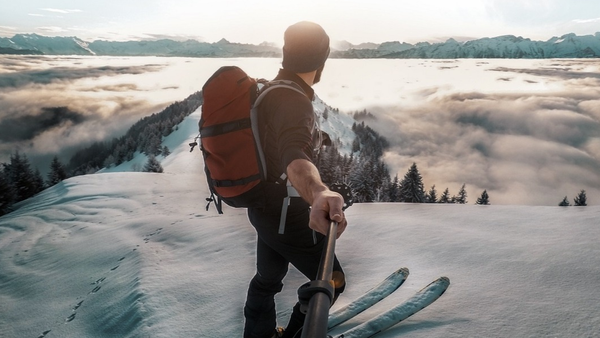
[(403, 271), (442, 280), (400, 274)]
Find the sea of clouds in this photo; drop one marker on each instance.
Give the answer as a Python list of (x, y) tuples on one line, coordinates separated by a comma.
[(527, 131)]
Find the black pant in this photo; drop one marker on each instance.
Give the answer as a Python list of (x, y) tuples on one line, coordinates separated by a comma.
[(300, 246)]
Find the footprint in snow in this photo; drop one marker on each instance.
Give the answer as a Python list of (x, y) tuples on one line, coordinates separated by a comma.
[(44, 334), (99, 281), (70, 318), (77, 306), (147, 237)]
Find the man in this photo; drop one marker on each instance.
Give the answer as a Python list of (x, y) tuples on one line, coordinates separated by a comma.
[(288, 133)]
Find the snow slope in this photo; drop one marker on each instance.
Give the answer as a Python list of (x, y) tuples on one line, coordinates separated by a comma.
[(130, 254)]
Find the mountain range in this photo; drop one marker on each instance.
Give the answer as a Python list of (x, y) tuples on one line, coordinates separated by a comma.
[(506, 46)]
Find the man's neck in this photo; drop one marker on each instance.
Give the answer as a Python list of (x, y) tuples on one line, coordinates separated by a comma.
[(309, 78)]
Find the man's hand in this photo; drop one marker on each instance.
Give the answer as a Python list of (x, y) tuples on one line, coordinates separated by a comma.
[(326, 204), (326, 207)]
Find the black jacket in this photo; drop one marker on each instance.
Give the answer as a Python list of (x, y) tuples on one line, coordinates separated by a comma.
[(287, 123)]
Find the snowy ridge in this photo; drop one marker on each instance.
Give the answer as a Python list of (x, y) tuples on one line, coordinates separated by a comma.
[(337, 125), (131, 254), (507, 46), (163, 47)]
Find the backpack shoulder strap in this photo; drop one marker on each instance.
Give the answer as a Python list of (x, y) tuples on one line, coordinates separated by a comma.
[(272, 85), (267, 86)]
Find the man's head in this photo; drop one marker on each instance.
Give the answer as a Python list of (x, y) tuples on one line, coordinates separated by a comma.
[(306, 48)]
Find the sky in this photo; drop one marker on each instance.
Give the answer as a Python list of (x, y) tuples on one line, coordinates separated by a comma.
[(356, 21), (131, 254)]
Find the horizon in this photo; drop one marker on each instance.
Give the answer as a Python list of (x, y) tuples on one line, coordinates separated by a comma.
[(360, 21), (338, 42)]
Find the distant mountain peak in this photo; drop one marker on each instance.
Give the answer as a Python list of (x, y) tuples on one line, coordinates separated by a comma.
[(505, 46)]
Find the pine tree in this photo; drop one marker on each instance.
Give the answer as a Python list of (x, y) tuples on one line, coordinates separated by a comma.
[(6, 193), (22, 177), (153, 166), (461, 198), (411, 187), (564, 202), (431, 195), (38, 181), (581, 199), (394, 191), (356, 145), (484, 199), (445, 198), (57, 172), (362, 181)]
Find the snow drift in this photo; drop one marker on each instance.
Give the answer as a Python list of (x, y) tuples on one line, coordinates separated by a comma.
[(128, 254)]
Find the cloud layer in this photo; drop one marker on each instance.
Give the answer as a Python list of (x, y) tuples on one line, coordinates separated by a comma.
[(51, 106), (527, 131), (525, 147)]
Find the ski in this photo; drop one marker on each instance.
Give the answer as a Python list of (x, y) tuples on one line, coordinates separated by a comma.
[(368, 299), (391, 317)]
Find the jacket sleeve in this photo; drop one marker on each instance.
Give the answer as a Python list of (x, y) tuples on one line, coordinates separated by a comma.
[(293, 123)]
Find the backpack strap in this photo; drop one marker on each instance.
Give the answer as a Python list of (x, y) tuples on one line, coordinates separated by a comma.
[(264, 90), (291, 191)]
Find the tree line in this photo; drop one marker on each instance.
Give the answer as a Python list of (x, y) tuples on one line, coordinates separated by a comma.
[(144, 136), (19, 181), (579, 201), (363, 170), (369, 178)]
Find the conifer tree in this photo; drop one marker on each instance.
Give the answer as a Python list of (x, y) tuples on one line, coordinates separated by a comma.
[(362, 180), (356, 145), (57, 172), (38, 181), (564, 202), (22, 177), (431, 195), (461, 198), (6, 193), (581, 199), (152, 165), (411, 187), (445, 198), (394, 191), (484, 199)]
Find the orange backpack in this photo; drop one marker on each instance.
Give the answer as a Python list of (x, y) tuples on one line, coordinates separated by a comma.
[(234, 161)]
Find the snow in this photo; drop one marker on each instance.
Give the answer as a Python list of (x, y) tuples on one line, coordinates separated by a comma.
[(131, 254)]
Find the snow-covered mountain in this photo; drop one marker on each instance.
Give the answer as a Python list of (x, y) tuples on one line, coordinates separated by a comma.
[(508, 46), (131, 254), (165, 47), (47, 45)]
